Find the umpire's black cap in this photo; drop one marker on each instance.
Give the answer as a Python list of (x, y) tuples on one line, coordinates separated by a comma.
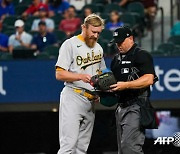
[(120, 34)]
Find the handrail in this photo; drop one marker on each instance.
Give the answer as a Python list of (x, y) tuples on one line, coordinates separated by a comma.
[(162, 28), (178, 9), (172, 6), (171, 14)]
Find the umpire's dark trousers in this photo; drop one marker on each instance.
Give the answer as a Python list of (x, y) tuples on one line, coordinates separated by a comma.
[(129, 135)]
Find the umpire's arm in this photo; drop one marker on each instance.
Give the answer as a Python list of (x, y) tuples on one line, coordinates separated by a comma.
[(142, 82)]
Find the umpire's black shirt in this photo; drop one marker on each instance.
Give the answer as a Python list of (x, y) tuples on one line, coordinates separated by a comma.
[(123, 66)]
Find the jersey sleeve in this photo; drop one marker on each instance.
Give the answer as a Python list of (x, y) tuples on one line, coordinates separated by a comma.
[(144, 62), (65, 57)]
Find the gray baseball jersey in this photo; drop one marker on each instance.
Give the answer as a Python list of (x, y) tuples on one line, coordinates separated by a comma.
[(75, 56), (76, 112)]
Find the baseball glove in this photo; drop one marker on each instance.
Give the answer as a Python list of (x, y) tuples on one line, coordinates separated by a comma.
[(102, 82)]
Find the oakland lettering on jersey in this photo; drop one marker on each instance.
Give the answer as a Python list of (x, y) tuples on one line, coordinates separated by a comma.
[(88, 60)]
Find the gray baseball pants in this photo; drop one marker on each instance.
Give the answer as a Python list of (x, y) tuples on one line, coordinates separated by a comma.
[(76, 120), (129, 135)]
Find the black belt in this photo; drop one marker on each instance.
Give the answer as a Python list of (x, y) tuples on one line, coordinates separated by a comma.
[(126, 103)]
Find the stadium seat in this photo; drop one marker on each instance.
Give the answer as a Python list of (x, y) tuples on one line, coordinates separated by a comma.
[(129, 19), (61, 36), (6, 56), (137, 8), (30, 20), (105, 16), (108, 49), (106, 35), (10, 20), (103, 45), (77, 32), (9, 32), (57, 19), (52, 51), (158, 54), (176, 51), (174, 39), (166, 48), (92, 6), (98, 1), (19, 9), (22, 2), (15, 2), (33, 33), (27, 27), (7, 28), (43, 55), (27, 2), (111, 7)]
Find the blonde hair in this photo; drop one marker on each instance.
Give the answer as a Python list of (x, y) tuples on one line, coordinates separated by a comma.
[(94, 20)]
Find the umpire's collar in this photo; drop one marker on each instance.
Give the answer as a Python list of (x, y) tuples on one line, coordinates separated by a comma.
[(131, 50)]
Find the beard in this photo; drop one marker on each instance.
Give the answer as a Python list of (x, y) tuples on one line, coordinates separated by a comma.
[(90, 41)]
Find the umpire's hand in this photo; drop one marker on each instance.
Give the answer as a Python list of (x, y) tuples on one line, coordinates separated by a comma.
[(119, 86)]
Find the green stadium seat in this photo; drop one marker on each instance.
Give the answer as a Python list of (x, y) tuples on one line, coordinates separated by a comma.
[(111, 7), (22, 2), (106, 35), (30, 20), (43, 55), (19, 9), (105, 16), (129, 19), (33, 33), (7, 28), (9, 32), (137, 8), (10, 20), (61, 36), (27, 2), (103, 45), (52, 51), (176, 51), (166, 48), (57, 19), (174, 39), (158, 54), (6, 56), (77, 32), (98, 1), (92, 6)]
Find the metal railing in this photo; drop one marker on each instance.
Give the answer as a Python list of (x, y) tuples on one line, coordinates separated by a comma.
[(162, 28), (173, 5), (178, 9)]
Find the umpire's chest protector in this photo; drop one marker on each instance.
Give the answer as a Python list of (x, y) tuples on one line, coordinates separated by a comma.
[(124, 66)]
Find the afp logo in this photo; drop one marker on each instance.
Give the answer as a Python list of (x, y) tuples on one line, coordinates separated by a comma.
[(2, 90), (167, 140)]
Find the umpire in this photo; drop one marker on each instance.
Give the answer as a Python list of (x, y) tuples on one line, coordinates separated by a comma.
[(133, 68)]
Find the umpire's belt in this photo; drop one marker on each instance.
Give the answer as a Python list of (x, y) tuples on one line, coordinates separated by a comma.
[(126, 103), (85, 93)]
